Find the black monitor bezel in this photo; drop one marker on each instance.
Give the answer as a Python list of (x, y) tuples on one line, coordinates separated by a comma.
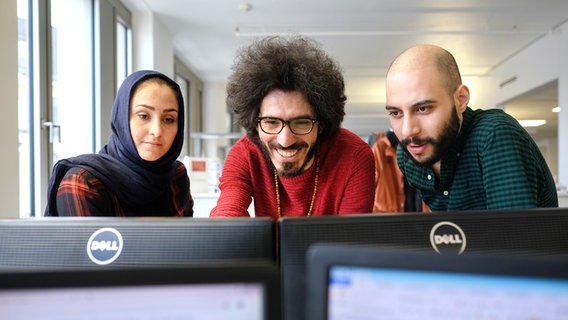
[(322, 257), (296, 234), (265, 273), (35, 243)]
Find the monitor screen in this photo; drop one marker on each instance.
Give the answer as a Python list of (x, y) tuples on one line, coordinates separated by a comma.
[(225, 291), (533, 231), (374, 283), (87, 242)]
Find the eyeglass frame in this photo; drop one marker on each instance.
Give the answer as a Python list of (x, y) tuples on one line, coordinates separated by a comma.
[(286, 123)]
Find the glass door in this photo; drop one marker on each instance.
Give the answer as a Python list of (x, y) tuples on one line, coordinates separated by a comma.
[(24, 109), (70, 121), (55, 103)]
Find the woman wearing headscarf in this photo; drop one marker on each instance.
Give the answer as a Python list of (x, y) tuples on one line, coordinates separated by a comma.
[(136, 173)]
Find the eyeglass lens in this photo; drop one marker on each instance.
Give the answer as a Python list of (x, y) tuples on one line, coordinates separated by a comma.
[(297, 126)]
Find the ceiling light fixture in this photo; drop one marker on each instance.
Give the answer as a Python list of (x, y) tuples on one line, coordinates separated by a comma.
[(245, 7), (255, 31), (556, 109), (531, 123)]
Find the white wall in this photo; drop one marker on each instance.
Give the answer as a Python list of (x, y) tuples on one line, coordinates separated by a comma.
[(540, 63), (152, 43), (163, 49), (563, 124), (214, 115), (9, 163)]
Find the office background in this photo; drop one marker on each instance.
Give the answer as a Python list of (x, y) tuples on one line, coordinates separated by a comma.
[(541, 64)]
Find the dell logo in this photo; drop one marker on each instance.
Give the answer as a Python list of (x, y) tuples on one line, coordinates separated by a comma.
[(447, 237), (104, 246)]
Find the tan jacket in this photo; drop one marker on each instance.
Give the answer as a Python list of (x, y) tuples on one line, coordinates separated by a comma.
[(389, 181)]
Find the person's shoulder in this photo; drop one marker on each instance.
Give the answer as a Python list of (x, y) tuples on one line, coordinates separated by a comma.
[(180, 167), (245, 145), (347, 142), (80, 175), (349, 136), (346, 134), (491, 124), (78, 171), (493, 117), (244, 142), (493, 121), (244, 154)]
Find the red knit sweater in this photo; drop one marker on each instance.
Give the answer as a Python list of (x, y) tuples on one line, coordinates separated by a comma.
[(345, 184)]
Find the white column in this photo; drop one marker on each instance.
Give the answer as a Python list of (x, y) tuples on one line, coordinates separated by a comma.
[(9, 162)]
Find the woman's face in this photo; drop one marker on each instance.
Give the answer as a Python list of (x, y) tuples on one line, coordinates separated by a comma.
[(153, 119)]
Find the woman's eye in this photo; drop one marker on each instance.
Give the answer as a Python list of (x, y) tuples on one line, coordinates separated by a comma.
[(142, 116)]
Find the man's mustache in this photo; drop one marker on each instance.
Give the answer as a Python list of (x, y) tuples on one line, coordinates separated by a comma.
[(294, 146), (414, 140)]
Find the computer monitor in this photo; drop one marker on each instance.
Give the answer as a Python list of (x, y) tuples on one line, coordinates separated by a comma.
[(241, 291), (533, 231), (363, 282), (77, 243)]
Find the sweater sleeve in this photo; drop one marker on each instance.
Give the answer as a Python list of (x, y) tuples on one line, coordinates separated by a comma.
[(235, 185)]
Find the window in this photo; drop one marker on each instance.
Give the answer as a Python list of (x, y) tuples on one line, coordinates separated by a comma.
[(123, 52), (72, 78), (24, 118), (71, 56)]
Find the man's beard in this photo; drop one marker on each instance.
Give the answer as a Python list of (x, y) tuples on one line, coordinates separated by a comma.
[(447, 137), (287, 169)]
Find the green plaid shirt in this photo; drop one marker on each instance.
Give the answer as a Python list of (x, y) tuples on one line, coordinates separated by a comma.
[(494, 164)]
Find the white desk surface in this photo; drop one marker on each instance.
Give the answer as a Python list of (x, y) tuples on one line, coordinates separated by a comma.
[(203, 203)]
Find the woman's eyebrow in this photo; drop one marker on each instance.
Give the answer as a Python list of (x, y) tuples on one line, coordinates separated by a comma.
[(152, 108)]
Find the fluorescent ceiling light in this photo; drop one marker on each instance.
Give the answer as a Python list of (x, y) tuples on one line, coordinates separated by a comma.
[(556, 109), (532, 123)]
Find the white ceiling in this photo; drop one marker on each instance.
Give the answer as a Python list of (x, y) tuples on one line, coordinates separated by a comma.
[(362, 35)]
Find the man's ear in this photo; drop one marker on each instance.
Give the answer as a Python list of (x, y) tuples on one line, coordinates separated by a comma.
[(461, 98)]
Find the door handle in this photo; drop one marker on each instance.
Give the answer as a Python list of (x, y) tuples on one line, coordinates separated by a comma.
[(52, 127)]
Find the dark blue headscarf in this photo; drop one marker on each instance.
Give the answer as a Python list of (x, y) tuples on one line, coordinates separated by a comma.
[(117, 165)]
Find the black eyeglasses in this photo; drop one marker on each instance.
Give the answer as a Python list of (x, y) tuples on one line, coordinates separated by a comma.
[(299, 126)]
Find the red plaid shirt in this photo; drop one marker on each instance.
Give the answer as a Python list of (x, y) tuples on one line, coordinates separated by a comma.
[(82, 194)]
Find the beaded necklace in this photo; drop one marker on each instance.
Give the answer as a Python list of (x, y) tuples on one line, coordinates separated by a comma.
[(313, 195)]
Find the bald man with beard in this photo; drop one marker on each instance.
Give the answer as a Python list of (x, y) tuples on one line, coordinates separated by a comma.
[(460, 158)]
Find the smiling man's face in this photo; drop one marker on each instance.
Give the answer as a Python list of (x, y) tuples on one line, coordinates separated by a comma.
[(291, 154)]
